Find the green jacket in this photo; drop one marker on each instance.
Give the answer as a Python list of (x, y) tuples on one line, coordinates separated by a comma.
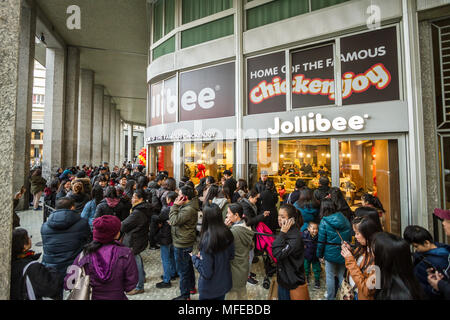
[(37, 184), (183, 220), (243, 242)]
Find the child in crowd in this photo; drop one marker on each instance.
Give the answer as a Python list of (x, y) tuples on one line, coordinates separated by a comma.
[(310, 237), (428, 254), (164, 238)]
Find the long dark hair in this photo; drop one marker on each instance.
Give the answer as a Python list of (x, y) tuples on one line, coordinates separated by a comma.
[(19, 240), (129, 188), (213, 191), (327, 207), (242, 185), (369, 212), (214, 236), (393, 257), (373, 201), (97, 194), (368, 229), (111, 192), (306, 198), (341, 204)]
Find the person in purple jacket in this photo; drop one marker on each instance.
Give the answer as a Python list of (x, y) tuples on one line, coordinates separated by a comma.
[(111, 266)]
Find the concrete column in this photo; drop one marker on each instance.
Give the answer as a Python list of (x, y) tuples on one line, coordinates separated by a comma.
[(106, 127), (54, 111), (24, 103), (112, 136), (117, 142), (70, 144), (130, 143), (122, 143), (10, 18), (97, 126), (86, 111)]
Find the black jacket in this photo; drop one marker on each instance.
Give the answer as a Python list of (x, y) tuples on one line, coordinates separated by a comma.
[(61, 194), (63, 236), (164, 235), (260, 186), (269, 200), (135, 228), (288, 249), (321, 192), (121, 210), (251, 212), (152, 196), (46, 282), (80, 200)]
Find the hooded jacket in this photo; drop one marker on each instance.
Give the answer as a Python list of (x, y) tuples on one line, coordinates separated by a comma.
[(309, 213), (243, 242), (135, 227), (183, 220), (113, 206), (152, 196), (310, 246), (288, 249), (327, 233), (439, 258), (112, 270), (223, 205), (63, 236), (88, 212)]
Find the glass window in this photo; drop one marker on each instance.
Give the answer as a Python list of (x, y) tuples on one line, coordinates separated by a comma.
[(196, 9), (164, 48), (161, 158), (207, 32), (371, 166), (275, 11), (288, 160), (208, 159), (169, 16), (158, 17), (319, 4)]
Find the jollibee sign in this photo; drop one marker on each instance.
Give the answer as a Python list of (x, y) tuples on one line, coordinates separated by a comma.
[(369, 68)]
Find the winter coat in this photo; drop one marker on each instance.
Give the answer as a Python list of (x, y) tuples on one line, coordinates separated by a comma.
[(293, 197), (183, 220), (288, 249), (310, 246), (152, 196), (164, 235), (113, 207), (88, 212), (327, 233), (112, 270), (46, 282), (439, 258), (243, 242), (237, 196), (215, 272), (80, 200), (309, 213), (135, 228), (37, 184), (251, 213), (63, 236), (223, 205), (61, 194), (260, 186), (269, 200), (361, 277)]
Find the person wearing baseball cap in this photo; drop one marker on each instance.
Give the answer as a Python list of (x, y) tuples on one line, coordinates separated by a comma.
[(110, 265), (440, 281)]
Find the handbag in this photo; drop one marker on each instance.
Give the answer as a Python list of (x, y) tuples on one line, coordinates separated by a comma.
[(345, 291), (82, 289)]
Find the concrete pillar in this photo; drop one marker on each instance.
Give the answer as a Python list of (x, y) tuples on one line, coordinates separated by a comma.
[(122, 143), (10, 18), (112, 136), (97, 126), (106, 127), (24, 103), (54, 111), (130, 143), (117, 142), (71, 115), (87, 78)]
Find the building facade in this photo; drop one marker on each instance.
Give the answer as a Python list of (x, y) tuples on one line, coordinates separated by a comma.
[(253, 86)]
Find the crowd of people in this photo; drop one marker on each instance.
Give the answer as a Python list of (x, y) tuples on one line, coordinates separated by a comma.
[(104, 219)]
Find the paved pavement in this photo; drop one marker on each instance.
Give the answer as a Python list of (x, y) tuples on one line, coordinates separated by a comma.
[(32, 221)]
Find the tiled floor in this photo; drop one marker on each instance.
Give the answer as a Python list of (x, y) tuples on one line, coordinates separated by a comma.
[(32, 221)]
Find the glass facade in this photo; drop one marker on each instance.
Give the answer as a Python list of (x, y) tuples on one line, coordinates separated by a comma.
[(161, 158), (197, 9), (202, 159), (207, 32), (166, 47)]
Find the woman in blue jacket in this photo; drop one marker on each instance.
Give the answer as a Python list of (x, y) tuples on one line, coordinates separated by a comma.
[(307, 206), (334, 228), (213, 261), (90, 207)]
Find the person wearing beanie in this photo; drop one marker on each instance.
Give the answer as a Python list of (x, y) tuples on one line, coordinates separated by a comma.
[(110, 265)]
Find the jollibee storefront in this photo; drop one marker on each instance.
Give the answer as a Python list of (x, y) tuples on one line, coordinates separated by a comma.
[(295, 121)]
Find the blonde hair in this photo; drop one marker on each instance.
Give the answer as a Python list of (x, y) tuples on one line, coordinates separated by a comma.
[(77, 187)]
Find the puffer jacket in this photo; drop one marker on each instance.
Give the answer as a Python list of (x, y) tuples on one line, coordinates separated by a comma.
[(308, 212), (135, 227), (183, 220), (63, 236), (328, 233), (115, 207), (164, 234)]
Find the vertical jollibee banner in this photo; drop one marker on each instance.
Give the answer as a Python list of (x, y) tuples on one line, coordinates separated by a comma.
[(369, 68), (163, 103), (207, 93)]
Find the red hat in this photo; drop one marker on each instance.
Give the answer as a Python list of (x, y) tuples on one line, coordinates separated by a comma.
[(106, 228), (441, 213)]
